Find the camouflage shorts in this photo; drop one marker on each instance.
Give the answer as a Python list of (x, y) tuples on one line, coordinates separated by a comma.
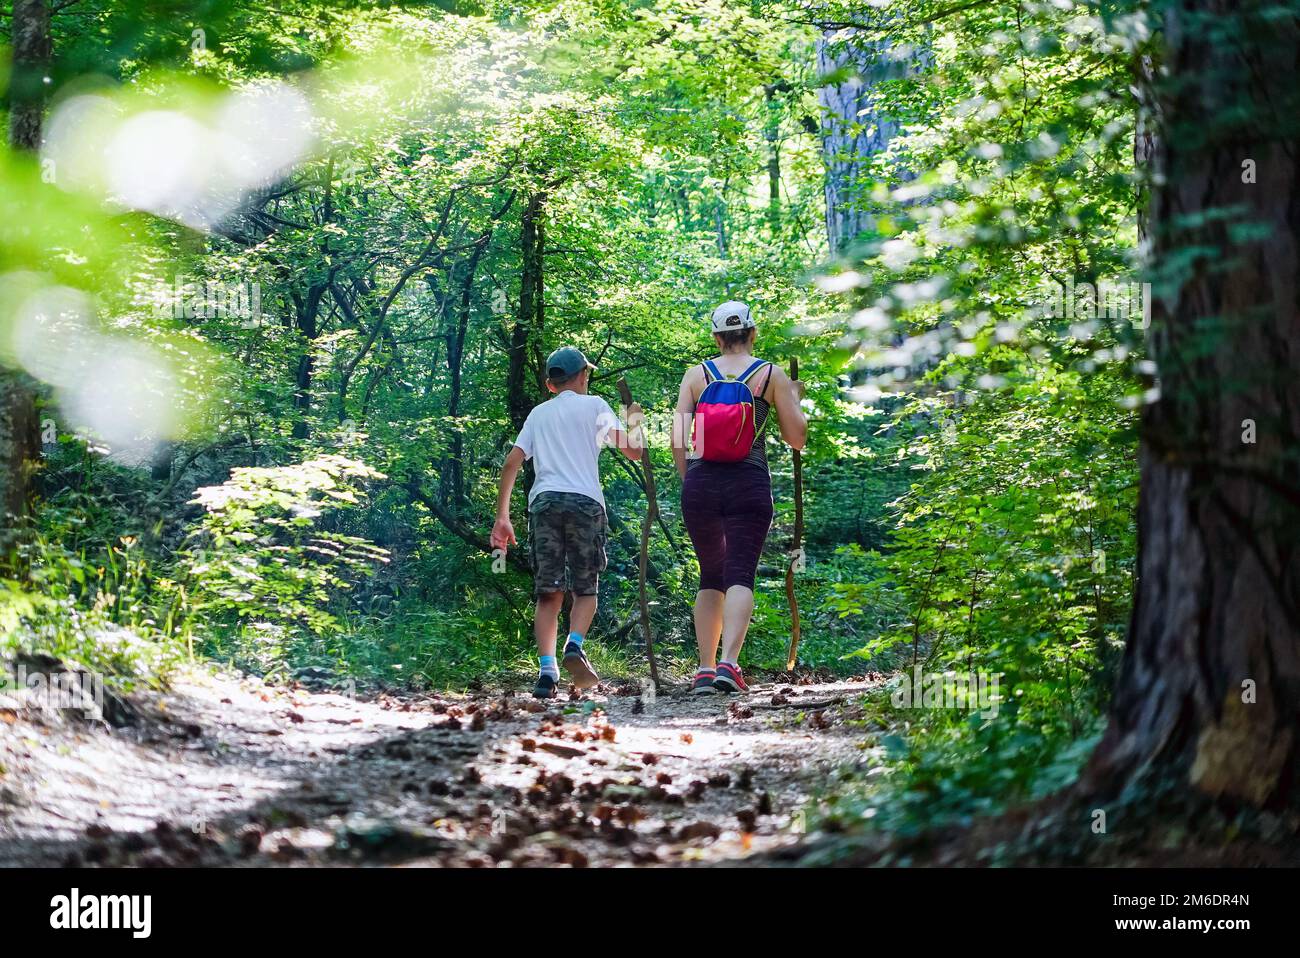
[(566, 535)]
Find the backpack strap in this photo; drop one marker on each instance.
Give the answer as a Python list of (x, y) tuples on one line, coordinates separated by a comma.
[(754, 367), (711, 372), (753, 370)]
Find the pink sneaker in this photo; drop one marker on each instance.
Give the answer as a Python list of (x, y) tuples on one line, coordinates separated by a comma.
[(703, 684), (729, 679)]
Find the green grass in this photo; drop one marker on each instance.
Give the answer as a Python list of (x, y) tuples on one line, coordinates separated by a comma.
[(415, 648)]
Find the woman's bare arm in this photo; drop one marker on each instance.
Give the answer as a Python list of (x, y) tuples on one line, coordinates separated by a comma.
[(786, 394), (682, 418)]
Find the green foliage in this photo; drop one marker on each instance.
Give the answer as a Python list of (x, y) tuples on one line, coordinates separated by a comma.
[(94, 607), (262, 555), (948, 771), (483, 185), (1014, 546)]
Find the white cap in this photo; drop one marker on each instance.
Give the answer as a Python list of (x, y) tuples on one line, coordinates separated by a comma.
[(732, 315)]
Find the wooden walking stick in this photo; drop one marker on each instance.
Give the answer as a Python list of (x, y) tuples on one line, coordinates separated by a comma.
[(797, 550), (652, 513)]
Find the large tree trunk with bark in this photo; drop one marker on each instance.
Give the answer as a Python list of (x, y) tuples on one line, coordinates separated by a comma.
[(30, 35), (854, 127), (1208, 698), (19, 429)]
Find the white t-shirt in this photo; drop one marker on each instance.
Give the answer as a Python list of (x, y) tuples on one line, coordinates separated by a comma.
[(563, 436)]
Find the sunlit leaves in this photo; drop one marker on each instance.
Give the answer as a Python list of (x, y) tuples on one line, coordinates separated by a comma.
[(260, 552)]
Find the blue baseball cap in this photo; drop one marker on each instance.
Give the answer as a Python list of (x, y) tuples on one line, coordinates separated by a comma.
[(565, 362)]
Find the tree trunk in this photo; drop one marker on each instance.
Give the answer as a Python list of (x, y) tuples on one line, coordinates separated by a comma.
[(854, 127), (528, 322), (30, 35), (19, 450), (160, 464), (452, 484), (19, 430), (1208, 697), (772, 134), (306, 323), (307, 316)]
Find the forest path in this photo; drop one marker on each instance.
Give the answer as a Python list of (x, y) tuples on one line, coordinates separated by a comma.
[(226, 770)]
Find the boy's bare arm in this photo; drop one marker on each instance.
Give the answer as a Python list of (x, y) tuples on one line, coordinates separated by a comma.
[(632, 442), (503, 533)]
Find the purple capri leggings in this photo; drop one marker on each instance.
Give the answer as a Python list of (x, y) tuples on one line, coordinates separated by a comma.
[(727, 508)]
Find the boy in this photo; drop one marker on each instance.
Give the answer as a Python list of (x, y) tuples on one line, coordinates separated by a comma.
[(566, 509)]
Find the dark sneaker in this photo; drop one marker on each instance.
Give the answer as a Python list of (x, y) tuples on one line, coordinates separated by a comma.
[(576, 664), (545, 687), (703, 684), (729, 679)]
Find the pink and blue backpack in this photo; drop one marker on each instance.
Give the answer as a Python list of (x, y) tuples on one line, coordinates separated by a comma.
[(724, 427)]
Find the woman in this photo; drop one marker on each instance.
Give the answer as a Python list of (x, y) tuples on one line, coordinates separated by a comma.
[(727, 506)]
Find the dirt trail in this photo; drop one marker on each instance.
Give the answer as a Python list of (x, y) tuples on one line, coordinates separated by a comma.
[(225, 770)]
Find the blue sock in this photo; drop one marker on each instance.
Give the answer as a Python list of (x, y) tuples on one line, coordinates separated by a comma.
[(575, 638), (549, 667)]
